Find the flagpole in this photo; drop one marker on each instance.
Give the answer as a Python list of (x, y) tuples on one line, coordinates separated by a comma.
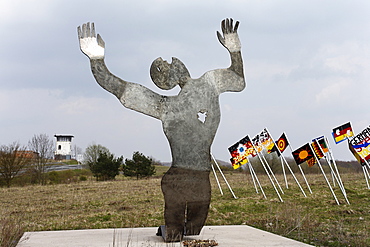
[(323, 173), (253, 179), (218, 183), (332, 177), (327, 181), (332, 161), (283, 167), (299, 166), (228, 185), (367, 163), (268, 166), (338, 181), (335, 164), (367, 170), (272, 173), (304, 177), (251, 167), (296, 180), (339, 184), (283, 158), (333, 173), (366, 173), (263, 165), (367, 182)]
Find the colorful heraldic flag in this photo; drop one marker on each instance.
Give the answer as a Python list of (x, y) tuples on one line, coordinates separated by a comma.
[(262, 140), (282, 143), (303, 154), (342, 132), (240, 151), (317, 149), (361, 143), (357, 156)]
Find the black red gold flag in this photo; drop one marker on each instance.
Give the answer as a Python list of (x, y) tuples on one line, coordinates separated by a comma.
[(303, 154), (342, 132)]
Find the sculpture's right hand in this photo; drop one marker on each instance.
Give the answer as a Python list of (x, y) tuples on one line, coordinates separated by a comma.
[(90, 44)]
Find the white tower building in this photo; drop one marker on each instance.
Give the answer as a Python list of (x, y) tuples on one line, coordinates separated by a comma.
[(63, 148)]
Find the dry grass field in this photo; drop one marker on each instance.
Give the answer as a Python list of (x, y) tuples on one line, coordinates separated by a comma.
[(126, 202)]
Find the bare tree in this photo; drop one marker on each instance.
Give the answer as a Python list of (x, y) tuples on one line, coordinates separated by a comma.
[(92, 153), (13, 159), (77, 151), (44, 146)]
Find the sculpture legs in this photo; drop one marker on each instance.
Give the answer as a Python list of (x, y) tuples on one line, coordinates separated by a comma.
[(187, 195), (196, 215)]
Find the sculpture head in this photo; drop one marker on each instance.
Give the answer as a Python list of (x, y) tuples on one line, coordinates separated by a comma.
[(168, 75)]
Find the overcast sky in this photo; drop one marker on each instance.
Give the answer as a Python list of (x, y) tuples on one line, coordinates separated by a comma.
[(306, 65)]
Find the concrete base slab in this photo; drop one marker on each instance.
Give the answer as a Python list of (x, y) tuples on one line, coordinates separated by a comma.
[(226, 236)]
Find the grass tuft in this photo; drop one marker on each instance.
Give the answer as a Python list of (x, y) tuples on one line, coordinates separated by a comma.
[(11, 230)]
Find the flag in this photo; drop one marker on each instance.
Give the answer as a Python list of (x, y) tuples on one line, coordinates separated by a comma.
[(272, 148), (317, 149), (342, 132), (257, 144), (311, 162), (266, 141), (237, 165), (249, 150), (237, 155), (262, 140), (303, 154), (357, 156), (361, 143), (265, 138), (282, 143), (240, 151), (323, 143)]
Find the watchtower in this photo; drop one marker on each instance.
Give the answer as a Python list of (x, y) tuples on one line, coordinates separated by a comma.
[(63, 149)]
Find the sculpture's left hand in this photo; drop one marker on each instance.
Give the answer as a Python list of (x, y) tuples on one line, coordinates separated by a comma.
[(230, 39)]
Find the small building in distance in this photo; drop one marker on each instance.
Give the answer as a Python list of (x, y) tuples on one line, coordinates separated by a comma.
[(63, 147), (27, 154)]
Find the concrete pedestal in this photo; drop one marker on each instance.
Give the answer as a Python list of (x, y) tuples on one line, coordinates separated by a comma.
[(226, 236)]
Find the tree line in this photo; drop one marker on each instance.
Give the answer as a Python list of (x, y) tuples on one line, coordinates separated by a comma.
[(105, 166), (34, 159)]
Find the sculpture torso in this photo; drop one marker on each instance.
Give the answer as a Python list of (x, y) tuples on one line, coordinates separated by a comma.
[(189, 135)]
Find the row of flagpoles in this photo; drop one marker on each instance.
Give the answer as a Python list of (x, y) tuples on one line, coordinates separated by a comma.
[(311, 153)]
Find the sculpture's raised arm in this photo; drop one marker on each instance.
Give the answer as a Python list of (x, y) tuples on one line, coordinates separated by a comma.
[(93, 47), (132, 95), (230, 40)]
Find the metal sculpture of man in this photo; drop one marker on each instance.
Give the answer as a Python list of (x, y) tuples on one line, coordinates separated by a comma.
[(189, 119)]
